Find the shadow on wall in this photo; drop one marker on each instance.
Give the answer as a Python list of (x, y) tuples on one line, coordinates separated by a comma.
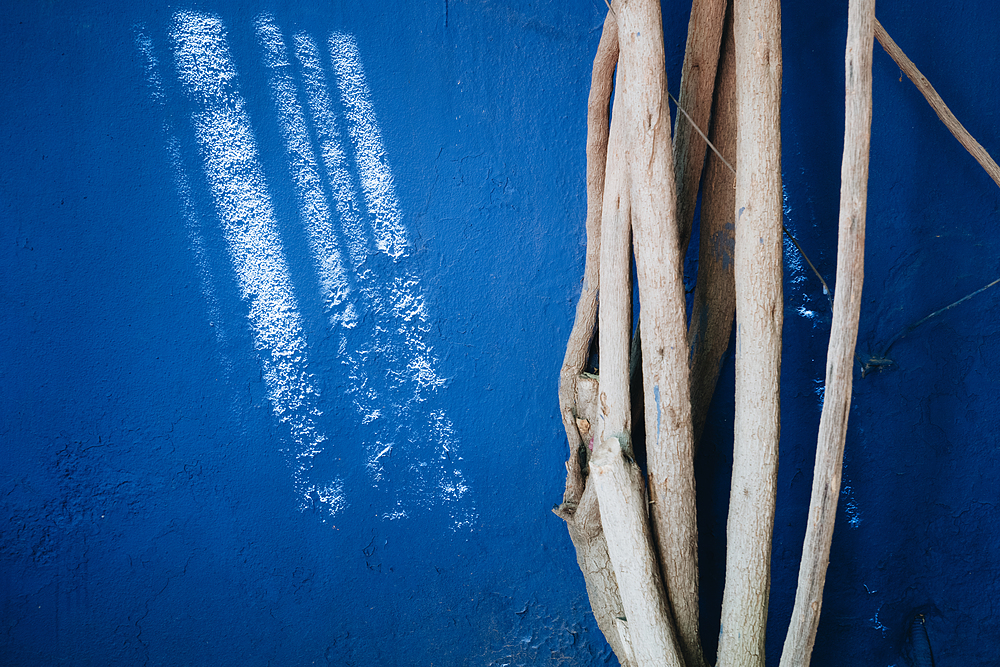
[(374, 306)]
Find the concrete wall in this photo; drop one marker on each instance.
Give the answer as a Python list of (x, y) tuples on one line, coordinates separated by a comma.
[(285, 291)]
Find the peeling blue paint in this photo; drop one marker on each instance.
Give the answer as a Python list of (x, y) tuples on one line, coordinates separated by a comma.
[(656, 397)]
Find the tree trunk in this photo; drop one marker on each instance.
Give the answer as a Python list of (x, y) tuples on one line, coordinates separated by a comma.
[(714, 302), (758, 332), (843, 337), (578, 394), (666, 388), (650, 639), (701, 59)]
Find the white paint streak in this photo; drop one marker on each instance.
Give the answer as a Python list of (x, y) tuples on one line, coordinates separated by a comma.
[(192, 220), (305, 171), (334, 159), (376, 178), (236, 180)]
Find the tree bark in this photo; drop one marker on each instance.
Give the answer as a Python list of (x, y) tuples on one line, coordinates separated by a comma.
[(843, 337), (714, 302), (701, 58), (646, 621), (669, 438), (940, 108), (578, 346), (758, 273)]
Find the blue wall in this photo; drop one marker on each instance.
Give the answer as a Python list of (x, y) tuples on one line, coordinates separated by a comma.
[(285, 291)]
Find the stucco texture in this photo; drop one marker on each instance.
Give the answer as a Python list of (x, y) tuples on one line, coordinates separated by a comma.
[(284, 293)]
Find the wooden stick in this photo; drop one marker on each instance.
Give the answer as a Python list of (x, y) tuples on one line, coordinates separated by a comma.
[(759, 315), (701, 58), (646, 620), (645, 630), (578, 395), (669, 435), (615, 314), (940, 108), (615, 324), (843, 337), (578, 347), (587, 532), (714, 302)]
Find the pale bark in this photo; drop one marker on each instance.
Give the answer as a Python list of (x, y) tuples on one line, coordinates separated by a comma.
[(598, 121), (578, 394), (587, 533), (940, 108), (843, 337), (714, 301), (646, 620), (669, 439), (615, 314), (701, 58), (758, 212)]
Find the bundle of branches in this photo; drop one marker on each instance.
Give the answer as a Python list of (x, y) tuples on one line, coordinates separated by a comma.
[(635, 532)]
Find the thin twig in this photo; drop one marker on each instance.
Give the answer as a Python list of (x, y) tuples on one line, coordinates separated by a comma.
[(940, 108), (826, 288), (903, 332), (698, 130), (971, 145)]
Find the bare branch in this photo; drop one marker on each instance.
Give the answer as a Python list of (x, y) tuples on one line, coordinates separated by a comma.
[(615, 314), (701, 57), (587, 533), (843, 337), (646, 619), (598, 120), (669, 436), (940, 108), (759, 314), (714, 303), (577, 394)]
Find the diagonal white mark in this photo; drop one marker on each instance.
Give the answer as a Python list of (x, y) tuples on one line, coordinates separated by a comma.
[(305, 170), (236, 180), (376, 178)]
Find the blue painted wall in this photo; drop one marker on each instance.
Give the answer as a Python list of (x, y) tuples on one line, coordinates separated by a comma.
[(285, 291)]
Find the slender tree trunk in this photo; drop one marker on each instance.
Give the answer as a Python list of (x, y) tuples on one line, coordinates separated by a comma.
[(615, 314), (666, 388), (646, 629), (701, 58), (578, 346), (578, 394), (758, 332), (714, 302), (843, 336), (650, 639)]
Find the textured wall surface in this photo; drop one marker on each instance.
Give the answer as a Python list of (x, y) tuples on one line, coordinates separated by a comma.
[(285, 289)]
